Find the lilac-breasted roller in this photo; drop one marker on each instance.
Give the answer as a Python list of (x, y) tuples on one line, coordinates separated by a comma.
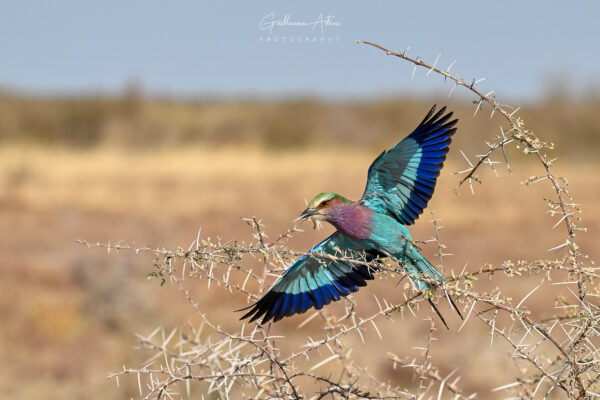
[(400, 183)]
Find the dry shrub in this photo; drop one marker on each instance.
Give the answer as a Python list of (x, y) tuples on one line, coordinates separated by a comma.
[(555, 350)]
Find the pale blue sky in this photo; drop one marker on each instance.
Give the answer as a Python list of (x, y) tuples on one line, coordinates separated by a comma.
[(195, 48)]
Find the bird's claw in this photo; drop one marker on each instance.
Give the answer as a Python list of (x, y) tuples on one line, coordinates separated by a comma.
[(412, 242)]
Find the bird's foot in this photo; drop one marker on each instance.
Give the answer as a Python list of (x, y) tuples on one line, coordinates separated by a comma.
[(412, 242)]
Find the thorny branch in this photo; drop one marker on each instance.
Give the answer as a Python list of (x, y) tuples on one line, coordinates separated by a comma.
[(556, 353)]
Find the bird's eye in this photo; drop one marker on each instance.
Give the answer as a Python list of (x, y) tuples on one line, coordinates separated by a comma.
[(323, 203)]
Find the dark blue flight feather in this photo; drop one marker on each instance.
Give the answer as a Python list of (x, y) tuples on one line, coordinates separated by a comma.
[(315, 281)]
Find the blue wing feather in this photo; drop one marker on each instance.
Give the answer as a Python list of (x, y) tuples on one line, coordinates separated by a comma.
[(285, 308), (401, 180), (314, 281)]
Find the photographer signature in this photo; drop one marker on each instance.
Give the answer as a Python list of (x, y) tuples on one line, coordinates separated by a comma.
[(269, 22)]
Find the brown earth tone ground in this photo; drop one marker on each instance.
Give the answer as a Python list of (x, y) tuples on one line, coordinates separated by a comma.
[(70, 313)]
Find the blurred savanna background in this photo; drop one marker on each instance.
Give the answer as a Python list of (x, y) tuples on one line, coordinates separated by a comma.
[(145, 124)]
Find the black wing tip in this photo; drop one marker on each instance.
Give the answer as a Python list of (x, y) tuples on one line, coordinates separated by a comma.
[(440, 118), (254, 311), (260, 308), (429, 114), (245, 308)]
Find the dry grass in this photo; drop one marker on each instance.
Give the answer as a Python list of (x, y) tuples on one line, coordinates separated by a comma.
[(70, 313), (136, 123)]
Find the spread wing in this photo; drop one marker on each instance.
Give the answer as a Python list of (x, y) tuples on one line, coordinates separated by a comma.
[(401, 180), (315, 281)]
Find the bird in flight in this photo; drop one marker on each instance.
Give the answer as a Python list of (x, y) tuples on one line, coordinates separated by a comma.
[(400, 183)]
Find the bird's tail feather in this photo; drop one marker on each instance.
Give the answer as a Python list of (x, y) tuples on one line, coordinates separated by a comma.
[(421, 272), (419, 269), (438, 313)]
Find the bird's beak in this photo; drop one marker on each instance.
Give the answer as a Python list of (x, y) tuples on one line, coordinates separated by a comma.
[(306, 214)]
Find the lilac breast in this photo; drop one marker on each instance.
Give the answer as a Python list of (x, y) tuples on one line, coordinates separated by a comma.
[(353, 220)]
